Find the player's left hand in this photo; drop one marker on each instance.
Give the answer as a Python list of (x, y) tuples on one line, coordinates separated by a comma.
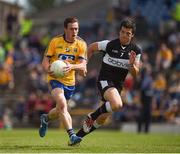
[(67, 68), (132, 57), (82, 72)]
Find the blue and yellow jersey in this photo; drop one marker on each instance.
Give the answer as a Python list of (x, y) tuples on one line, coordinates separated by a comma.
[(60, 49)]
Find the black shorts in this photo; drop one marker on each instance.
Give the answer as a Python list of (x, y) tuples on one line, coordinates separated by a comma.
[(103, 85)]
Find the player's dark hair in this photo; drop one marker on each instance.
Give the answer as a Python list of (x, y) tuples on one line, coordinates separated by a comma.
[(128, 23), (70, 20)]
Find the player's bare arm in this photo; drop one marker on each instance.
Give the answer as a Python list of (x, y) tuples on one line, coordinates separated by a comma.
[(133, 64), (81, 66), (46, 65), (92, 48), (83, 72)]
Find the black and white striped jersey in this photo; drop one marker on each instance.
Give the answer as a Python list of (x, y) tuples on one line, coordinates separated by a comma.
[(115, 63)]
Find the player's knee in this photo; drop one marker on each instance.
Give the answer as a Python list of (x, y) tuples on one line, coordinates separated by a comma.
[(117, 106), (102, 121), (61, 108)]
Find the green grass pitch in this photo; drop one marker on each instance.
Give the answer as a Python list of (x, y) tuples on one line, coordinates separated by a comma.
[(28, 141)]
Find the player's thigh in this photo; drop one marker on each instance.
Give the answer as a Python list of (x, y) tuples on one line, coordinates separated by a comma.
[(58, 95), (112, 95)]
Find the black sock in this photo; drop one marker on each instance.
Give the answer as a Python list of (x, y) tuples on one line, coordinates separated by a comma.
[(81, 132), (70, 132), (99, 111)]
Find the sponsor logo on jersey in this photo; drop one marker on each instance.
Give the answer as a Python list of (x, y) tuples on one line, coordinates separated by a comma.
[(66, 57), (115, 51), (116, 62)]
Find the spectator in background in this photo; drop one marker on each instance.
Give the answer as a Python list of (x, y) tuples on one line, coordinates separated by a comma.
[(176, 14), (146, 91), (5, 78), (11, 23), (9, 64), (2, 54), (20, 108), (26, 27), (172, 115), (174, 86), (159, 86), (176, 60), (164, 57)]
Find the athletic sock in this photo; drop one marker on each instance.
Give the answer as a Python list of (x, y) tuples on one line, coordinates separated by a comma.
[(105, 108), (70, 132), (81, 132), (46, 118)]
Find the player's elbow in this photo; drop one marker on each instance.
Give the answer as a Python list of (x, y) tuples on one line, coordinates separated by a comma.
[(92, 48), (45, 64)]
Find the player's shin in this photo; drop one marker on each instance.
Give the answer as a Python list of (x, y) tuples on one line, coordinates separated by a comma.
[(52, 115)]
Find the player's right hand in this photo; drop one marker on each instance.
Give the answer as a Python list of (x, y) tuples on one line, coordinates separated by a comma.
[(51, 73)]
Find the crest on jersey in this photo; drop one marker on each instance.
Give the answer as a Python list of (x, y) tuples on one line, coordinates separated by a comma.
[(75, 50), (67, 49)]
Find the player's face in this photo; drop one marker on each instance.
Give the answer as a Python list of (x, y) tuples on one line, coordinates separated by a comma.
[(71, 31), (125, 35)]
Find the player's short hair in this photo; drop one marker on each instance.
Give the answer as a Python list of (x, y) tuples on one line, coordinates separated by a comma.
[(128, 23), (70, 20)]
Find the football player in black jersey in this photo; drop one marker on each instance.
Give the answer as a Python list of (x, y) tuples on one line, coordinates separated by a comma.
[(120, 57)]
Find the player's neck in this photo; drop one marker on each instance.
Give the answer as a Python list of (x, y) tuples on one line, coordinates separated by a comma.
[(124, 44), (67, 39)]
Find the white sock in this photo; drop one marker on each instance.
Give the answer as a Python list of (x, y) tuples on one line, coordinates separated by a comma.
[(108, 107)]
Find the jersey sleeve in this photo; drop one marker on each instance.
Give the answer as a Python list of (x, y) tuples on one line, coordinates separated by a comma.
[(50, 50), (102, 45), (83, 51), (138, 54)]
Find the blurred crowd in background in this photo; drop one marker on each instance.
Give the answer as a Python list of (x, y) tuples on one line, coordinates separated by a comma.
[(24, 94)]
